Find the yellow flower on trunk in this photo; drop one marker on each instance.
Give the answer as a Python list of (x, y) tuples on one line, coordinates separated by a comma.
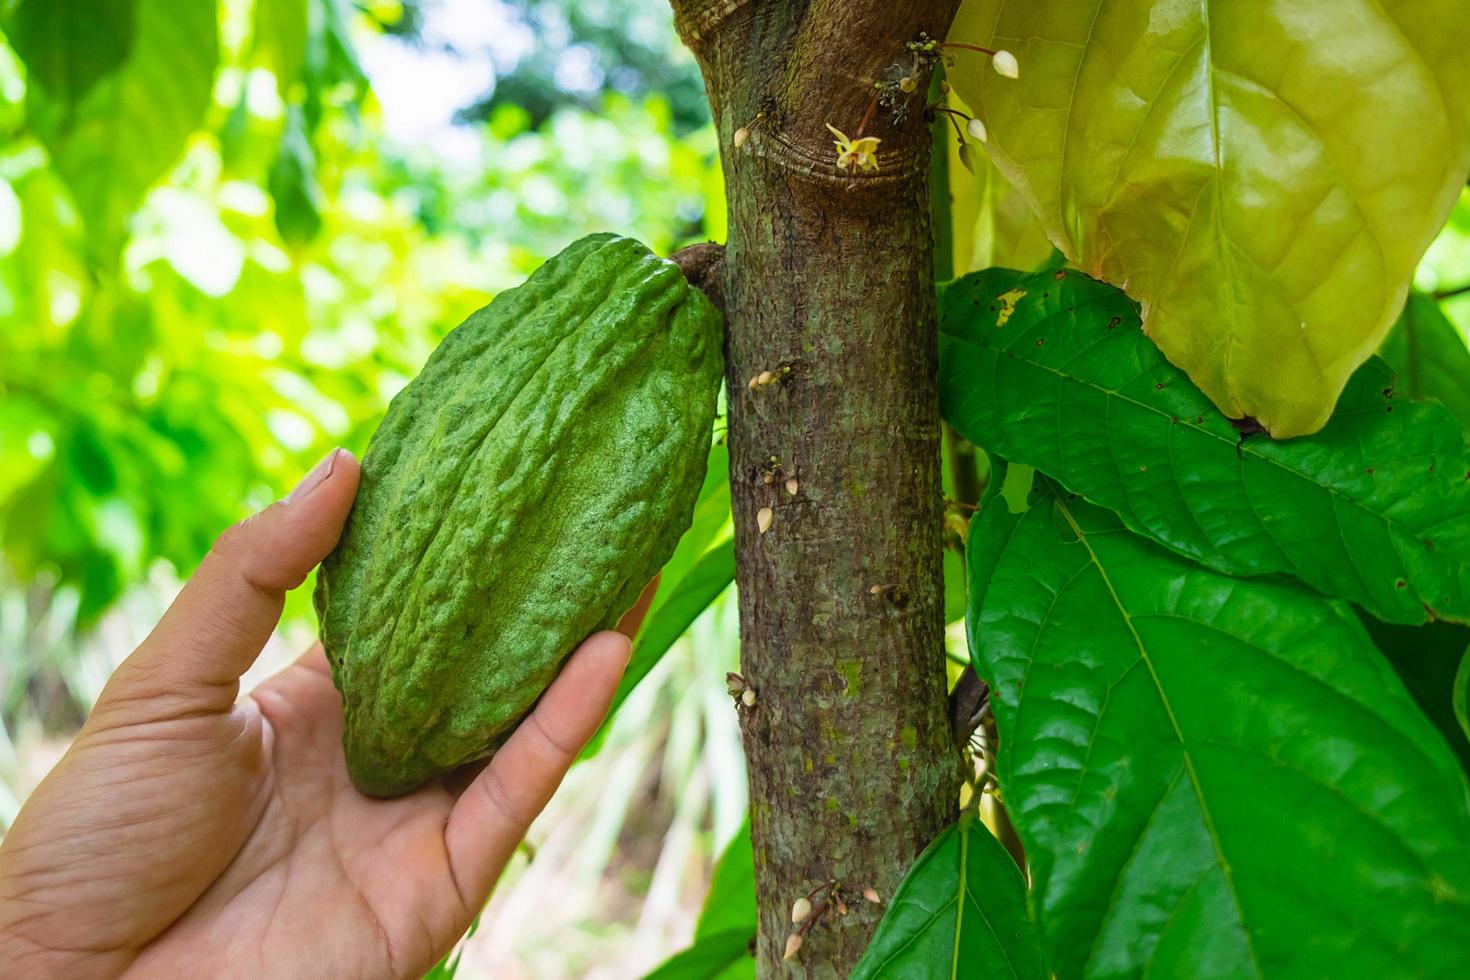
[(858, 154)]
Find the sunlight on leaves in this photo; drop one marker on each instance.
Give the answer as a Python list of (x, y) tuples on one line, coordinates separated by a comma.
[(993, 222), (1262, 177), (131, 126)]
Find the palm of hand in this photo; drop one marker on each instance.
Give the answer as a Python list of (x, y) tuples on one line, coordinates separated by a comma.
[(186, 834), (370, 880), (251, 835)]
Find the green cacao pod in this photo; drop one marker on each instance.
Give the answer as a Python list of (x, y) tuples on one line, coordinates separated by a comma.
[(520, 493)]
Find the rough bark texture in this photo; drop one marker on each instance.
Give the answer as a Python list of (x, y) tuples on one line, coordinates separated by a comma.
[(828, 274)]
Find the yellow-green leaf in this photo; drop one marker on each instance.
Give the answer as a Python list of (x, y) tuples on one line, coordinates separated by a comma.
[(281, 29), (993, 223), (1261, 175)]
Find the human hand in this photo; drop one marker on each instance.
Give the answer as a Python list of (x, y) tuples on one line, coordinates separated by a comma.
[(187, 832)]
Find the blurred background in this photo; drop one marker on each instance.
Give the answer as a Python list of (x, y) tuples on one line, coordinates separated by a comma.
[(223, 248), (229, 236)]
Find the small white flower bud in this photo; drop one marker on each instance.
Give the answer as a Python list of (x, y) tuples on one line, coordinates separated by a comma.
[(793, 946), (977, 130), (1005, 64), (741, 135), (965, 158), (800, 909), (763, 519)]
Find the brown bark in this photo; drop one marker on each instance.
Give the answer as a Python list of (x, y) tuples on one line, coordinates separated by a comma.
[(828, 284)]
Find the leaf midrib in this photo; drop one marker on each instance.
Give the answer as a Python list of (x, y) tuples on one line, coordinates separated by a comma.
[(1245, 449), (1173, 722), (959, 902)]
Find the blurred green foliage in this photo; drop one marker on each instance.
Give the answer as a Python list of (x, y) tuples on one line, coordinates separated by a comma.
[(588, 48), (216, 263)]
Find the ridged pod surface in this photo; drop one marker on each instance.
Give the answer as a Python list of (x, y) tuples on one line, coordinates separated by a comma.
[(518, 496)]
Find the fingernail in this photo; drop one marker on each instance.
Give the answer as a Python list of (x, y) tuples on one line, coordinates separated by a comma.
[(314, 479)]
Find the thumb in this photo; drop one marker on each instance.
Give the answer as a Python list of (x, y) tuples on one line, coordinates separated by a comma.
[(220, 621)]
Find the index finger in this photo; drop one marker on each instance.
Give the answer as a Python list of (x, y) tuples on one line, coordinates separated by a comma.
[(218, 624)]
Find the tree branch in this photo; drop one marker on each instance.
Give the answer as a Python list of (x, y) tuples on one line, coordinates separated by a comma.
[(703, 265), (965, 703)]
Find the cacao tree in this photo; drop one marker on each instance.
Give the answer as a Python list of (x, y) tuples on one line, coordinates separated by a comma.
[(1055, 318), (1208, 526)]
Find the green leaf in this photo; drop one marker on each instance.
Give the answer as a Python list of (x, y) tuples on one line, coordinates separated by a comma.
[(448, 965), (1210, 776), (711, 521), (1263, 177), (1426, 659), (132, 125), (716, 957), (727, 924), (730, 902), (27, 446), (959, 912), (1005, 230), (1429, 357), (329, 60), (1460, 694), (699, 570), (954, 586), (293, 184), (68, 47), (1375, 508)]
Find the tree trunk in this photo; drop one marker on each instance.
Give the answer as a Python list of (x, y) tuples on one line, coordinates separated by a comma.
[(828, 285)]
